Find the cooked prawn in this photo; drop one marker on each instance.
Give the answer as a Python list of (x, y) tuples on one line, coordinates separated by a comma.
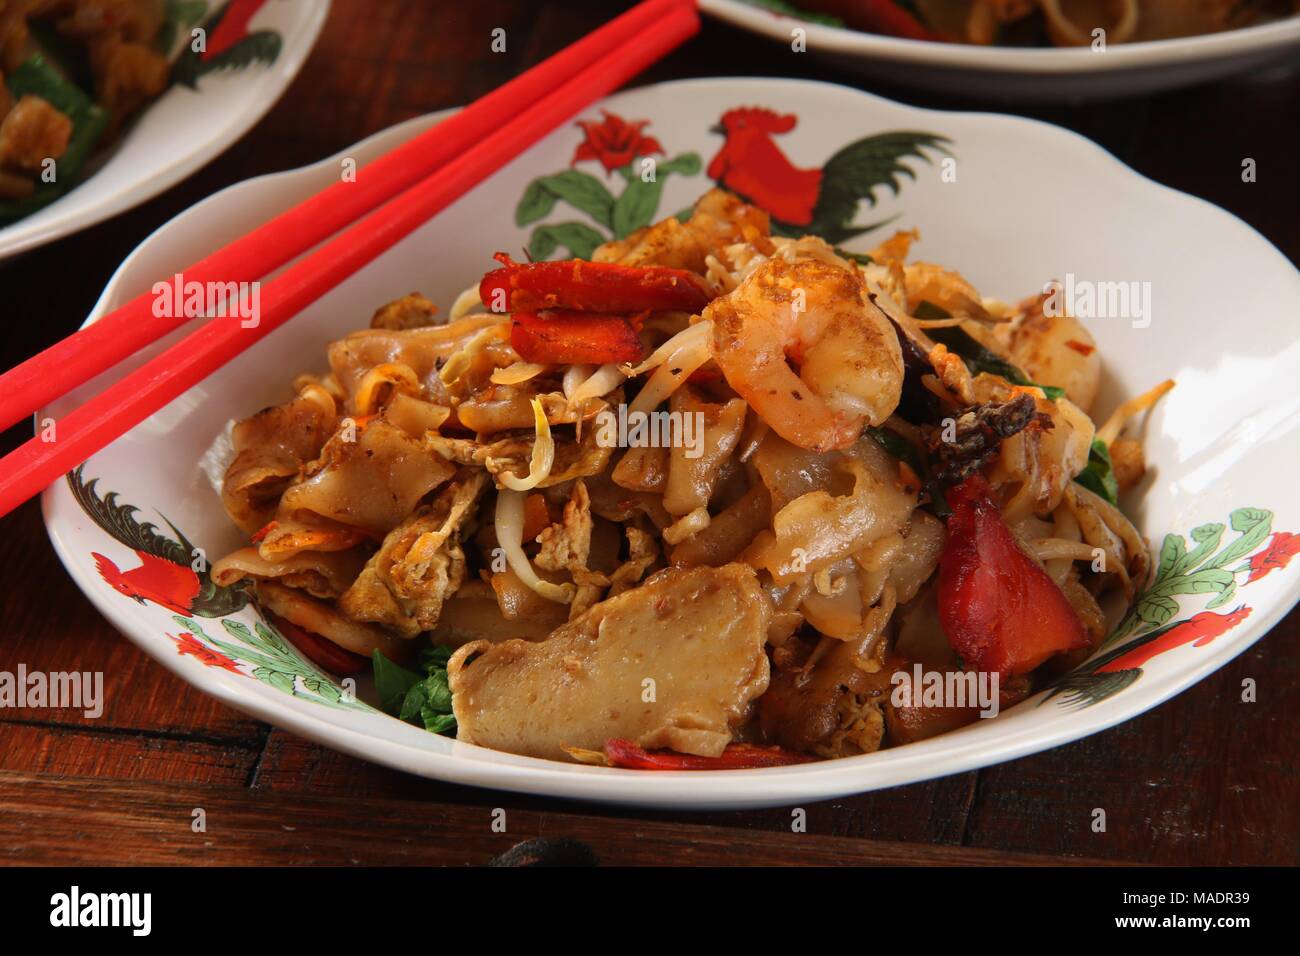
[(817, 315), (927, 282)]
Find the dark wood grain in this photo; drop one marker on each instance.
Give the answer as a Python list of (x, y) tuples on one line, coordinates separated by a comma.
[(152, 824), (111, 754), (1202, 779)]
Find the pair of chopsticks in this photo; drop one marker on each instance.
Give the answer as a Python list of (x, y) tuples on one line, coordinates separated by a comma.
[(390, 198)]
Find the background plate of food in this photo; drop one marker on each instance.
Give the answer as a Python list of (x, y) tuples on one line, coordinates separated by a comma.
[(1032, 49), (106, 103), (751, 604)]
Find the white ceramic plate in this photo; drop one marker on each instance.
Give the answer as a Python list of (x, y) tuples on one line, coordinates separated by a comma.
[(185, 128), (1123, 69), (1030, 203)]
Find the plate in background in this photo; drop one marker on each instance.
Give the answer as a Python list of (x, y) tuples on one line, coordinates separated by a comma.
[(183, 130), (1048, 74)]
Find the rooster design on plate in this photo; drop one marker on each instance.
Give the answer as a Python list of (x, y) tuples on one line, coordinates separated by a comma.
[(228, 41), (172, 574), (823, 200)]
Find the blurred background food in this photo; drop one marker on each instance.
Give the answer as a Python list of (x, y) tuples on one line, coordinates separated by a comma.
[(72, 72), (1036, 22)]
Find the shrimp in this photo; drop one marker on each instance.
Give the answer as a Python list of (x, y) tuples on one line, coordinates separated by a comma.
[(1056, 350), (927, 282), (816, 314)]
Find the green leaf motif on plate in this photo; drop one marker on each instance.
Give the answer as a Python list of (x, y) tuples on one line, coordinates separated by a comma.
[(581, 190), (272, 660), (578, 238), (1204, 569)]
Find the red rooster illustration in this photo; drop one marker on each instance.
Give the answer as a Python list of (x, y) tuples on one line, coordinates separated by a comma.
[(822, 201), (165, 575), (230, 45), (1118, 668), (156, 579)]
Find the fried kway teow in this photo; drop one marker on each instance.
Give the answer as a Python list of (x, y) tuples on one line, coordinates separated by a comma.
[(695, 503)]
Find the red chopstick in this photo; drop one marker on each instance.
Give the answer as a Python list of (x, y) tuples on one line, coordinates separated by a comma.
[(123, 332), (101, 420)]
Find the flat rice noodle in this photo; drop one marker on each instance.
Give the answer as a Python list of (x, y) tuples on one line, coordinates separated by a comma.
[(372, 483), (270, 450), (382, 383), (911, 565), (642, 469), (290, 534), (472, 614), (502, 408), (819, 528), (423, 350), (322, 574), (324, 620), (516, 601), (613, 503), (415, 416), (838, 614), (497, 408), (790, 471), (732, 483), (691, 480), (730, 532)]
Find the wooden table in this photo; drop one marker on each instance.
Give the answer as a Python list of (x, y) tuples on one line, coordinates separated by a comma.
[(1203, 779)]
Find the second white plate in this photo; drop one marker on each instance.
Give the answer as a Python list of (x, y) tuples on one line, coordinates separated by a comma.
[(183, 130)]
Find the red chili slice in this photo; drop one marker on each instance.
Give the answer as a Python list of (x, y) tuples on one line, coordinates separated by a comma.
[(999, 609), (321, 651), (574, 338), (625, 754), (591, 287)]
